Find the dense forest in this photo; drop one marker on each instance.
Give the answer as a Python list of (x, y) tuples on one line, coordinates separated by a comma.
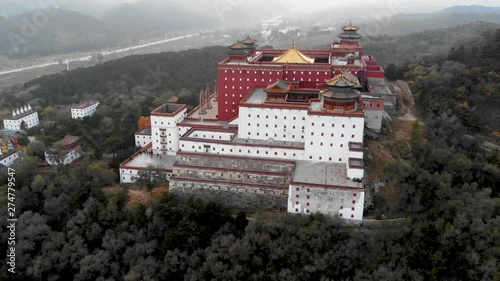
[(73, 226), (426, 46)]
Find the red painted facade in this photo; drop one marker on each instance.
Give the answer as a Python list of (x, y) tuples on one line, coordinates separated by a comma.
[(237, 75)]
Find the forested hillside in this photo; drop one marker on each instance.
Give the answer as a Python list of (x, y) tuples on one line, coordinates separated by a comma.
[(465, 82), (426, 46)]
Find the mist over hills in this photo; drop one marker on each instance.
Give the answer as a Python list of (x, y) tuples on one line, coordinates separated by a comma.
[(66, 32), (470, 9), (127, 23)]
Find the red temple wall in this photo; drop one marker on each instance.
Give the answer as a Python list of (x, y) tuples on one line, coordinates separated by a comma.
[(235, 81)]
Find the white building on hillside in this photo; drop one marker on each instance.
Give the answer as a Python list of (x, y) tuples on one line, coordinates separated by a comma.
[(84, 109), (23, 114), (64, 151)]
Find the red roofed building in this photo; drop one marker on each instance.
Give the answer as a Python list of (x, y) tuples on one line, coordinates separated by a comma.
[(64, 151)]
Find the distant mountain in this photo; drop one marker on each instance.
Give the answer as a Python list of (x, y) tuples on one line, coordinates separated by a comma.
[(403, 23), (66, 32), (470, 9), (144, 17), (173, 15)]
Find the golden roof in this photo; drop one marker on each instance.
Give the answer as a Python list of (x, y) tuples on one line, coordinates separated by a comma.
[(350, 27), (293, 55)]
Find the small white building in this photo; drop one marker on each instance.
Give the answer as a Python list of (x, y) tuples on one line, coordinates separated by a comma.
[(23, 114), (143, 137), (7, 158), (64, 151), (84, 109)]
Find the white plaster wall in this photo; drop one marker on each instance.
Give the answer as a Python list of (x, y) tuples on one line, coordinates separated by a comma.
[(130, 175), (247, 151), (168, 142), (79, 113), (142, 140), (272, 123), (303, 199), (356, 154), (327, 137), (355, 173), (30, 120), (10, 160), (373, 119), (70, 157), (212, 135)]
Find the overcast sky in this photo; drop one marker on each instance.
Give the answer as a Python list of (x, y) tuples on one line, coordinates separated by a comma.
[(406, 6)]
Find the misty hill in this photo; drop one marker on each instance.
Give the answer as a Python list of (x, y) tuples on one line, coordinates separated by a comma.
[(470, 9), (155, 16), (402, 23), (381, 22), (14, 7), (66, 32), (169, 15), (427, 44)]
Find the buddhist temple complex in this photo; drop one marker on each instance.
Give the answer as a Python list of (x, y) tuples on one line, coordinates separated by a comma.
[(280, 129)]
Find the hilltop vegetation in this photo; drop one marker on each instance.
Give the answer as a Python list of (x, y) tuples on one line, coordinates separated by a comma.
[(426, 46)]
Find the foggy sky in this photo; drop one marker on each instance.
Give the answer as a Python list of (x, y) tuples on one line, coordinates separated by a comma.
[(97, 7)]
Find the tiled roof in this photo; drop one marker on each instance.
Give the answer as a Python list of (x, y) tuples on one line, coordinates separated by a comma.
[(293, 55), (67, 140)]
